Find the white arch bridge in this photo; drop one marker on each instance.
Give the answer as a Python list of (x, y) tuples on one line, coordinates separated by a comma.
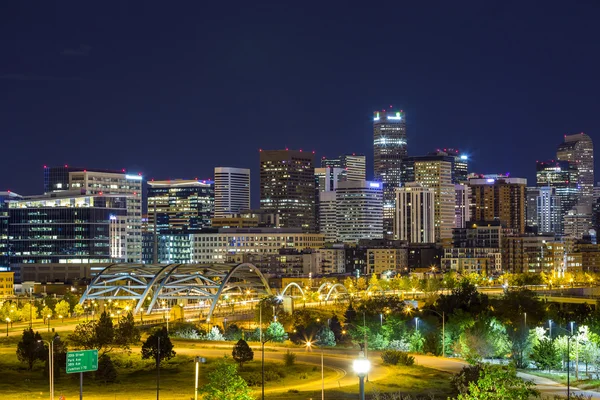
[(149, 285)]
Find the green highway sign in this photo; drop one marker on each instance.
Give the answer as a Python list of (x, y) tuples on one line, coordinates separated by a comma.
[(82, 361)]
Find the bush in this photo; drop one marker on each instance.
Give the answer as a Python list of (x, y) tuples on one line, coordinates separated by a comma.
[(470, 373), (187, 333), (106, 370), (254, 379), (232, 332), (272, 375), (289, 359), (394, 357), (401, 345), (215, 335)]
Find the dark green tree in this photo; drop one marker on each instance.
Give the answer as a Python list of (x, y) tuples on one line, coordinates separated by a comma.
[(95, 335), (31, 349), (325, 337), (127, 333), (150, 348), (499, 382), (465, 297), (275, 332), (545, 355), (336, 327), (242, 353), (232, 332), (350, 316), (106, 372), (224, 383), (512, 306)]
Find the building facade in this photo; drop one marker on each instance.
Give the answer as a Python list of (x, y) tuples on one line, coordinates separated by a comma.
[(387, 261), (180, 204), (328, 216), (563, 176), (7, 284), (415, 214), (287, 187), (548, 210), (462, 206), (389, 149), (578, 149), (232, 191), (353, 166), (500, 199), (359, 211)]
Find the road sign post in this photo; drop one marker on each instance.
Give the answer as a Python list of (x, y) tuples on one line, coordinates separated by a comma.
[(82, 361)]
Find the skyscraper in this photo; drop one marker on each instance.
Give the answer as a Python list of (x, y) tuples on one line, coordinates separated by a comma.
[(99, 181), (180, 204), (435, 172), (499, 198), (563, 176), (354, 166), (389, 149), (327, 178), (579, 150), (460, 163), (548, 210), (359, 211), (287, 187), (462, 209), (415, 221), (232, 191)]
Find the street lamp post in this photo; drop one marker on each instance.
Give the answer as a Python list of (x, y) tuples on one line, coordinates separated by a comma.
[(7, 322), (49, 316), (263, 341), (361, 366), (310, 345), (550, 328), (569, 337), (50, 364), (198, 360)]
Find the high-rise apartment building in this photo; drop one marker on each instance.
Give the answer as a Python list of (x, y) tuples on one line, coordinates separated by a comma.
[(287, 187), (499, 198), (563, 176), (462, 208), (102, 182), (359, 211), (232, 191), (460, 164), (389, 149), (415, 214), (435, 172), (548, 211), (328, 215), (180, 205), (353, 165), (579, 150), (531, 216)]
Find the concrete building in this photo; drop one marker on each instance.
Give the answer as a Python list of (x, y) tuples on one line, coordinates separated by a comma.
[(333, 260), (215, 247), (499, 198), (436, 173), (389, 149), (328, 216), (478, 234), (534, 254), (232, 191), (7, 284), (352, 165), (180, 205), (577, 222), (387, 260), (563, 176), (104, 182), (5, 198), (462, 205), (171, 248), (531, 215), (548, 210), (359, 211), (579, 150), (327, 178), (287, 187), (415, 214), (467, 260)]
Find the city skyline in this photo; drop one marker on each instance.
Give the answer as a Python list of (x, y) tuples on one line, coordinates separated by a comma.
[(474, 73)]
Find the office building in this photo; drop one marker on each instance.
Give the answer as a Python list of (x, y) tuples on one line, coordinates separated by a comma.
[(435, 172), (328, 216), (460, 163), (499, 198), (578, 222), (7, 284), (327, 178), (531, 216), (353, 166), (563, 176), (180, 205), (472, 260), (333, 260), (5, 198), (389, 149), (215, 247), (578, 149), (171, 248), (232, 191), (359, 211), (478, 234), (415, 209), (102, 182), (462, 208), (60, 228), (387, 261), (548, 211), (287, 187)]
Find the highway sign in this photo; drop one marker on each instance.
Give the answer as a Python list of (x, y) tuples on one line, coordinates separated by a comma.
[(82, 361)]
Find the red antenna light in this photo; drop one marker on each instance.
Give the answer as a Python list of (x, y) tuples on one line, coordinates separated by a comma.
[(123, 170), (45, 166), (66, 166), (259, 149)]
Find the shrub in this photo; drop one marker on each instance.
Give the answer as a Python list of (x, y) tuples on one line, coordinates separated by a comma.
[(394, 357), (254, 379), (215, 335), (303, 375), (470, 373), (271, 375), (289, 359), (401, 345), (106, 371), (406, 359), (187, 333)]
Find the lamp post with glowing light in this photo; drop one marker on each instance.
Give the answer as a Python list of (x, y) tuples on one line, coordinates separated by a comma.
[(309, 345), (361, 366)]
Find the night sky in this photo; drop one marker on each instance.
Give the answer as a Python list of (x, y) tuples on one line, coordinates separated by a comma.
[(173, 89)]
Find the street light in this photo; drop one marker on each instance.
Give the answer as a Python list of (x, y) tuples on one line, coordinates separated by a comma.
[(7, 322), (569, 337), (443, 315), (309, 345), (198, 360), (416, 324), (50, 363), (361, 366), (550, 328), (48, 316)]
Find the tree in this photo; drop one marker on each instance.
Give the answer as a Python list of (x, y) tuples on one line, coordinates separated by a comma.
[(95, 335), (30, 349), (275, 332), (242, 352), (63, 308), (78, 310), (224, 383), (325, 337), (232, 332), (106, 371), (47, 311), (499, 382), (545, 355), (127, 333), (150, 348), (215, 335), (336, 327)]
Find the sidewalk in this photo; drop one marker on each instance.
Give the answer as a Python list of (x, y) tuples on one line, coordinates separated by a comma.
[(549, 388)]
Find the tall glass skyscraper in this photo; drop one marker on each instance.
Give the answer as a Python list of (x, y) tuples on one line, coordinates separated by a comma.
[(563, 176), (579, 150), (389, 149)]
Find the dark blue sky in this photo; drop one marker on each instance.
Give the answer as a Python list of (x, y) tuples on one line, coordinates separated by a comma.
[(173, 89)]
